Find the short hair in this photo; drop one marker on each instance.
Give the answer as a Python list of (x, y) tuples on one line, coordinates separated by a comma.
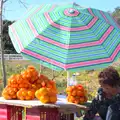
[(109, 76)]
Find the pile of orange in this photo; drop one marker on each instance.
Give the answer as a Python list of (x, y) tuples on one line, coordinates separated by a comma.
[(24, 85), (76, 94), (19, 84), (26, 94), (48, 91), (46, 95)]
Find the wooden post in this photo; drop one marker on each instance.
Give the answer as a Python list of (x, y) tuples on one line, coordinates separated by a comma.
[(2, 45)]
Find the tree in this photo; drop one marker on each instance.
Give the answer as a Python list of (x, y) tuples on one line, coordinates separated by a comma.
[(8, 46), (1, 43), (116, 14)]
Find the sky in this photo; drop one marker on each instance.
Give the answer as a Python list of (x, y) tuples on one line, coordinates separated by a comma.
[(13, 9)]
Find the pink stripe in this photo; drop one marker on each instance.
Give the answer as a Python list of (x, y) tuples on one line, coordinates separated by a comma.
[(65, 46), (30, 23), (70, 46), (51, 22), (75, 64), (40, 9), (90, 11), (16, 37), (80, 64), (45, 38), (36, 11), (93, 62), (32, 27), (38, 56), (104, 16), (51, 9)]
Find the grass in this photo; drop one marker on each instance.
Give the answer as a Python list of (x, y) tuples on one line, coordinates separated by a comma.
[(87, 78)]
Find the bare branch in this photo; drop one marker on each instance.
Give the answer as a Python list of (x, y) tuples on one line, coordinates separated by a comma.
[(5, 1), (23, 3)]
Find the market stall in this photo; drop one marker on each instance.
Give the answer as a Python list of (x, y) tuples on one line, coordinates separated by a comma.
[(17, 108), (61, 37)]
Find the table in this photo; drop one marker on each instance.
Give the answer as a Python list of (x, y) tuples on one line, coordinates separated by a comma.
[(62, 110)]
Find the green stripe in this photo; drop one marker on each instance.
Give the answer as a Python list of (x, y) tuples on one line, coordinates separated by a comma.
[(14, 41), (98, 66), (46, 64)]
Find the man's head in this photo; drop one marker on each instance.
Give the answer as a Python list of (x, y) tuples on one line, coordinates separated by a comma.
[(109, 80)]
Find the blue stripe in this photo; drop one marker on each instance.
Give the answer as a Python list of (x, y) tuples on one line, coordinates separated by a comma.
[(71, 53), (83, 56), (51, 31)]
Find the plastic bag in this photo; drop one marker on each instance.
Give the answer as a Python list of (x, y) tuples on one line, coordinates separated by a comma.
[(72, 80)]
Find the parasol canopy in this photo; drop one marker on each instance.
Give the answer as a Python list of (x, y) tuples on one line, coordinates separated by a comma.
[(67, 37)]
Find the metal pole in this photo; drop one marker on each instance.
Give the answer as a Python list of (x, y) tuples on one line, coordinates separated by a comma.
[(2, 45)]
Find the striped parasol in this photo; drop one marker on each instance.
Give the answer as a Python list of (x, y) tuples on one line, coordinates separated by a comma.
[(67, 37)]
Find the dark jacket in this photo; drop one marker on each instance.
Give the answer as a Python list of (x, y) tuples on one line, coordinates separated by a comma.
[(100, 105)]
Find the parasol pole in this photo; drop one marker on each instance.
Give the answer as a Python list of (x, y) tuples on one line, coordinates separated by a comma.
[(68, 78), (52, 74), (40, 69)]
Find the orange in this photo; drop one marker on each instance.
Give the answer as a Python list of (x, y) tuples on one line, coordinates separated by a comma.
[(21, 98), (80, 93), (37, 94), (49, 85), (69, 89), (38, 85), (14, 96), (24, 93), (82, 99), (43, 91), (43, 84), (72, 98), (30, 93), (77, 101), (7, 97), (44, 99), (80, 88), (51, 92), (28, 98), (53, 99), (30, 67), (74, 93), (38, 81)]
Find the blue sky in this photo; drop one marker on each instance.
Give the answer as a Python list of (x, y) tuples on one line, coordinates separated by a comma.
[(13, 10)]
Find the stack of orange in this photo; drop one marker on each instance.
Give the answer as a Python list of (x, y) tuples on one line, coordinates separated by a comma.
[(25, 94), (24, 85), (48, 91), (76, 94), (46, 95), (30, 74), (9, 93), (25, 81)]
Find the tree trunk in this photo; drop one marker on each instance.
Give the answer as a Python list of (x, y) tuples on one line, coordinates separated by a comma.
[(1, 45)]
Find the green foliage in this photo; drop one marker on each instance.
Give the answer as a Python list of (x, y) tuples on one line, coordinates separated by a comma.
[(116, 14), (8, 46)]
